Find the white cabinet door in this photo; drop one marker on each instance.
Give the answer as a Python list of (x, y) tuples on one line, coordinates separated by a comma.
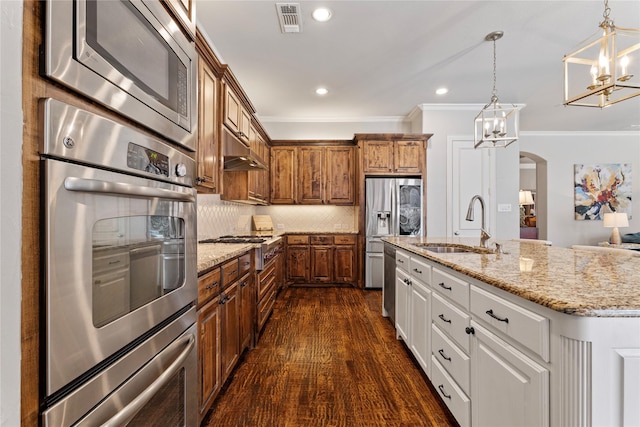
[(402, 305), (420, 324), (507, 388)]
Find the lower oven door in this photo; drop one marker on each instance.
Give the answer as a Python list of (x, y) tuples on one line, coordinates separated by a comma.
[(120, 260), (156, 384)]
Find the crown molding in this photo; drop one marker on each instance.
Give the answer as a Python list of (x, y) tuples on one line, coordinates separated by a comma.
[(364, 119)]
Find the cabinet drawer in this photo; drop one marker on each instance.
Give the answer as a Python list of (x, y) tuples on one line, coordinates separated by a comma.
[(298, 240), (420, 270), (455, 399), (321, 240), (208, 286), (402, 261), (451, 320), (229, 272), (244, 263), (454, 360), (346, 239), (266, 279), (265, 307), (453, 288), (524, 326)]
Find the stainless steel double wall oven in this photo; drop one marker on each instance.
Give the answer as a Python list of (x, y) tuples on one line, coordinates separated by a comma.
[(120, 273)]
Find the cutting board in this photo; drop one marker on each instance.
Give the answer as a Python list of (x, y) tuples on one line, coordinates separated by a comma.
[(262, 222)]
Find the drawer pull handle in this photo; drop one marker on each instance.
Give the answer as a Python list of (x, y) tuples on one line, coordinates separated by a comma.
[(444, 356), (417, 271), (442, 285), (401, 261), (500, 319), (444, 319), (441, 388)]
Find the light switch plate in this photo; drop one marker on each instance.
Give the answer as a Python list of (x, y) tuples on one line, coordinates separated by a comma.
[(504, 207)]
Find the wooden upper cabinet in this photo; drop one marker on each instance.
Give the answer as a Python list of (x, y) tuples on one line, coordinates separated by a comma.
[(208, 155), (320, 175), (283, 175), (311, 175), (408, 157), (236, 117), (340, 188), (393, 157), (185, 12), (377, 157)]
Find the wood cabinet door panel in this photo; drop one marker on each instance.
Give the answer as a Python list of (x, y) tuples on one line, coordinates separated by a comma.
[(340, 175), (247, 303), (322, 264), (232, 110), (283, 177), (408, 157), (298, 264), (378, 157), (311, 173), (344, 264), (207, 151), (208, 355), (229, 315)]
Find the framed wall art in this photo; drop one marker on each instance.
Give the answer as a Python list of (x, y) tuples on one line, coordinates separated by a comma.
[(601, 188)]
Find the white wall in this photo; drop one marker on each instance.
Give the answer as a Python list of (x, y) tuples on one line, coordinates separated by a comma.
[(10, 208), (457, 120), (562, 151), (332, 128)]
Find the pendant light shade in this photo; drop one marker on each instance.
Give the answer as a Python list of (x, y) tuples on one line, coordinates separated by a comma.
[(496, 125), (606, 70)]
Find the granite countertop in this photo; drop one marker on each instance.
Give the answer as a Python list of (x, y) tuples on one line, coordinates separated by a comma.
[(322, 232), (212, 254), (580, 283)]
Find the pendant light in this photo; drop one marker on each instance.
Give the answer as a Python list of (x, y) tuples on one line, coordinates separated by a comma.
[(606, 70), (496, 125)]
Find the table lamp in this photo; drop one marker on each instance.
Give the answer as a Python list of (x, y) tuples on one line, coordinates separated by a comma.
[(524, 198), (615, 220)]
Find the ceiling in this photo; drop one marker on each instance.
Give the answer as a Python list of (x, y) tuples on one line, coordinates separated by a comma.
[(381, 59)]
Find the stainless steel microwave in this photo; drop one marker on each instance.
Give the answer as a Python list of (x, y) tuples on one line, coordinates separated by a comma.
[(128, 55)]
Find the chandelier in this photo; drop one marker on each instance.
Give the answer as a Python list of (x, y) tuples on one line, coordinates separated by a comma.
[(600, 73), (496, 125)]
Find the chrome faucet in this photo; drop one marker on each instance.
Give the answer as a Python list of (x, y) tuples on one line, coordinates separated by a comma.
[(484, 236)]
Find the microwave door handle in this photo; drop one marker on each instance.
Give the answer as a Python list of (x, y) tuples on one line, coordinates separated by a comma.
[(128, 412), (130, 190)]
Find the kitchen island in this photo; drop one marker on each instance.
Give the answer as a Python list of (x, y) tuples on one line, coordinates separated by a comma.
[(535, 335)]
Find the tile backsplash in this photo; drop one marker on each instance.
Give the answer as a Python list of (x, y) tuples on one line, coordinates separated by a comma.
[(218, 218)]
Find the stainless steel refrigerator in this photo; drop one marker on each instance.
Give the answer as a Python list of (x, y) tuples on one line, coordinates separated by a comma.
[(394, 207)]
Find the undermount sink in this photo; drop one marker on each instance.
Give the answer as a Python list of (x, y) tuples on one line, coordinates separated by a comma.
[(449, 248)]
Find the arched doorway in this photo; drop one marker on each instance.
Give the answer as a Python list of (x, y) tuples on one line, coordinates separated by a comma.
[(533, 178)]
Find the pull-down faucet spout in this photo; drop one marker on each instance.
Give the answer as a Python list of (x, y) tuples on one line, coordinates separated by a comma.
[(484, 236)]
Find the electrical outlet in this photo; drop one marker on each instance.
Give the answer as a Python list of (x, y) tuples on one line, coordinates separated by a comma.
[(504, 207), (280, 226)]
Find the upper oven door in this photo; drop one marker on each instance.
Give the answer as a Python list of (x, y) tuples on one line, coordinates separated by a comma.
[(120, 260), (128, 55)]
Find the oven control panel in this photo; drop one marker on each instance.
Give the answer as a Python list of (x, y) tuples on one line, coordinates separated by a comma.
[(147, 160)]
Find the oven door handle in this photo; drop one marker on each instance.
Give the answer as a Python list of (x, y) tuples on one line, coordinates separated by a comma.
[(128, 412), (130, 190)]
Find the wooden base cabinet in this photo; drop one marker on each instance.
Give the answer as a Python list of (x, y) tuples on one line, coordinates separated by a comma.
[(321, 259), (209, 355), (247, 309)]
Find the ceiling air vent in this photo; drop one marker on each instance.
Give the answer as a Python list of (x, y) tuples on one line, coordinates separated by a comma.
[(289, 17)]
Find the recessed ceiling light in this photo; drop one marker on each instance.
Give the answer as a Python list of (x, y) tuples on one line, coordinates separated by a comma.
[(322, 14), (322, 91), (441, 91)]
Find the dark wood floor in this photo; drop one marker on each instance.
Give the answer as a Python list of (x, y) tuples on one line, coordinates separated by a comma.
[(328, 358)]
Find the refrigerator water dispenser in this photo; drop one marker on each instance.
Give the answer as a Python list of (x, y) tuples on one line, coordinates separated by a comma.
[(382, 223)]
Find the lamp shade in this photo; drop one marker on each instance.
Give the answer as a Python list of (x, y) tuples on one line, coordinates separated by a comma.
[(525, 197), (616, 219)]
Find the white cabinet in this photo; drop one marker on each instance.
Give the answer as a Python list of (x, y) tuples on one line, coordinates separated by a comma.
[(419, 321), (402, 305), (508, 388), (413, 307)]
